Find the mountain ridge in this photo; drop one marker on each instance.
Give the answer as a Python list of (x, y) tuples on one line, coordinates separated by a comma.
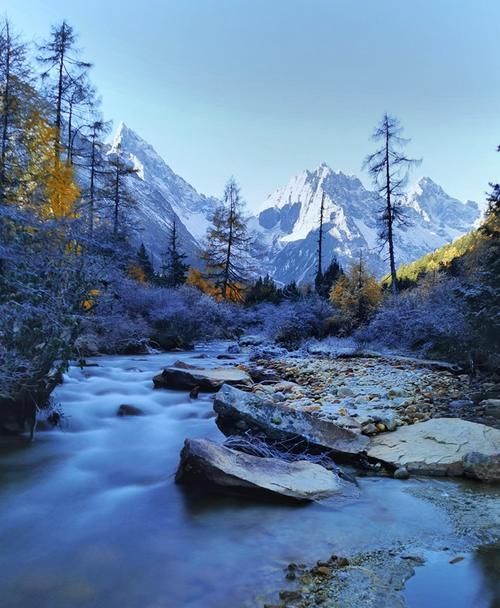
[(285, 231)]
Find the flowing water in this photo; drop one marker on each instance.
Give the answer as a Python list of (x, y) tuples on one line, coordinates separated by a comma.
[(90, 515)]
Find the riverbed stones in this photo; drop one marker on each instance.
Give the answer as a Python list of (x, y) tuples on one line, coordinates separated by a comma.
[(182, 376), (282, 422), (375, 579), (206, 462), (441, 446)]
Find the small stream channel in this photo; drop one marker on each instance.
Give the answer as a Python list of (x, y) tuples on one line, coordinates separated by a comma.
[(90, 516)]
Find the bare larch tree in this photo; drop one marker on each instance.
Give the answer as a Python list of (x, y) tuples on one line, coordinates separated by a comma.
[(389, 166), (319, 272)]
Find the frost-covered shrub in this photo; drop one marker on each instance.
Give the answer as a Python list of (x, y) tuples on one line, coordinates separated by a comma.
[(185, 316), (292, 322), (429, 319), (133, 315)]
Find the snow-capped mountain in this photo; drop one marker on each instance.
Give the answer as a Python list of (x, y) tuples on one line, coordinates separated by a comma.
[(286, 231), (288, 227), (160, 195)]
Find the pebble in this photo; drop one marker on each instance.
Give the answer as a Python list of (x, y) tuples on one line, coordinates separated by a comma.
[(401, 473)]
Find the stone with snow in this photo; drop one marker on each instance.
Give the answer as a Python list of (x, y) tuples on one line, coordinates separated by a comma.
[(238, 411), (441, 446), (204, 461)]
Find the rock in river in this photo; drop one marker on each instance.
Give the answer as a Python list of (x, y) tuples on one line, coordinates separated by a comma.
[(181, 376), (129, 410), (238, 410), (208, 462), (442, 446)]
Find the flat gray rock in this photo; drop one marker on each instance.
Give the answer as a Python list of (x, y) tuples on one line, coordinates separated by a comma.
[(187, 377), (204, 461), (238, 411), (442, 446)]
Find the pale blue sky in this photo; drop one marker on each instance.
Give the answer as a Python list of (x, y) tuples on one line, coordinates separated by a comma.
[(265, 88)]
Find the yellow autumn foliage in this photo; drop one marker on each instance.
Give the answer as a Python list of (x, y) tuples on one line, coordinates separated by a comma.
[(356, 294), (196, 279), (47, 185), (137, 273)]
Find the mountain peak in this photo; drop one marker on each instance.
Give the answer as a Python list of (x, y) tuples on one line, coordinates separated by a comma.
[(125, 136)]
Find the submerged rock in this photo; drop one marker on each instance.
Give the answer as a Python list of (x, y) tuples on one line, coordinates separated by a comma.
[(182, 376), (204, 461), (129, 410), (442, 446), (238, 411)]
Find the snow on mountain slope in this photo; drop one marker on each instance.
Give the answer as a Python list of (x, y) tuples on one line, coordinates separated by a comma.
[(286, 232), (160, 195), (288, 227)]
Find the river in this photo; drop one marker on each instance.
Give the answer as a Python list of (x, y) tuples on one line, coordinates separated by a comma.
[(90, 515)]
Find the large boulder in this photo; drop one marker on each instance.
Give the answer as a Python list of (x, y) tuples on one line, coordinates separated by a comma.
[(441, 446), (206, 462), (237, 411), (182, 376)]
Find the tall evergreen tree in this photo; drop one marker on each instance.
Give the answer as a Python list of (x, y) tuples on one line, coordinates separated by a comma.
[(291, 291), (227, 241), (328, 278), (263, 290), (175, 268), (144, 263), (389, 166)]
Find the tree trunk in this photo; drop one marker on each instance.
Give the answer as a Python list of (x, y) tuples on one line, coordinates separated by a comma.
[(92, 185), (117, 202), (320, 241), (229, 245), (59, 95), (390, 238)]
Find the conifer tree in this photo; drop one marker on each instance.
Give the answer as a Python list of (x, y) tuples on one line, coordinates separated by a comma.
[(95, 163), (175, 268), (15, 75), (328, 278), (263, 290), (120, 170), (60, 58), (389, 166), (291, 291), (45, 187), (144, 262), (227, 244), (356, 294)]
